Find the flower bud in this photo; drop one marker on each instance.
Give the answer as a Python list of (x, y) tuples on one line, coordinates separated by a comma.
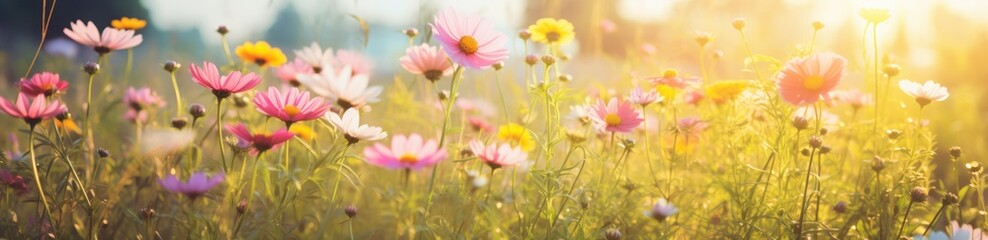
[(825, 149), (179, 122), (800, 123), (816, 142), (531, 59), (805, 152), (241, 101), (242, 206), (739, 23), (955, 152), (702, 38), (64, 115), (565, 78), (918, 194), (817, 25), (103, 153), (147, 214), (350, 210), (840, 207), (91, 68), (548, 60), (197, 110), (498, 65), (893, 134), (877, 164), (950, 199), (411, 32), (612, 234), (891, 70), (973, 167), (443, 95), (524, 35), (172, 66), (222, 30)]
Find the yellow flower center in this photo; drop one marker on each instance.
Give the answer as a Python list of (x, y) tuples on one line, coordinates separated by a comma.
[(612, 119), (468, 45), (670, 73), (813, 83), (408, 158), (291, 110), (552, 36)]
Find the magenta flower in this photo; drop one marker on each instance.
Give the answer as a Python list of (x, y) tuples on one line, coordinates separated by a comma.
[(410, 153), (693, 97), (141, 98), (288, 72), (235, 82), (615, 116), (428, 61), (13, 181), (111, 40), (805, 80), (290, 106), (498, 156), (32, 111), (197, 185), (45, 83), (259, 142), (469, 40)]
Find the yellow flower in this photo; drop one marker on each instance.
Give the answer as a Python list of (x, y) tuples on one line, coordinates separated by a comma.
[(126, 23), (261, 53), (302, 131), (667, 92), (69, 125), (874, 15), (721, 92), (517, 135), (552, 31)]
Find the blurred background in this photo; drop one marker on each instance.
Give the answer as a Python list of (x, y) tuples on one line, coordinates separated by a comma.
[(942, 40)]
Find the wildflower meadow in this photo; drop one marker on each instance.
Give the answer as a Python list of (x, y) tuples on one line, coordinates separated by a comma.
[(630, 119)]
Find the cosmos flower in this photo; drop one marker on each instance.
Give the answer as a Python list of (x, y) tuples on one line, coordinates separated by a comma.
[(259, 142), (552, 31), (803, 81), (874, 15), (44, 83), (925, 93), (13, 181), (517, 135), (353, 131), (111, 40), (428, 61), (469, 40), (725, 91), (643, 98), (853, 97), (670, 77), (359, 64), (661, 210), (140, 99), (197, 185), (479, 124), (222, 87), (410, 153), (614, 116), (261, 54), (497, 156), (290, 106), (957, 232), (317, 58), (126, 23), (289, 72), (32, 111), (693, 97), (343, 87)]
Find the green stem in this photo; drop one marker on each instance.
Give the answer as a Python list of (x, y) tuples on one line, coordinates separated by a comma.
[(37, 180), (457, 75), (751, 54), (226, 49), (130, 63), (904, 218), (219, 133), (178, 96)]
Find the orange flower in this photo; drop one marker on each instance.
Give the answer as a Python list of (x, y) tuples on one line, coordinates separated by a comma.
[(261, 53), (126, 23)]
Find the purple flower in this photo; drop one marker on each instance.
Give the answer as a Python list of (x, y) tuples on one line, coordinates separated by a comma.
[(197, 185)]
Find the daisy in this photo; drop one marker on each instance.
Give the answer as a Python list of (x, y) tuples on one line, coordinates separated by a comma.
[(345, 88), (552, 31), (497, 156), (614, 116), (290, 106), (409, 153), (317, 58), (349, 124), (31, 110), (289, 72), (661, 210), (222, 87), (259, 142), (428, 61), (924, 93), (197, 185), (803, 81), (261, 54), (469, 40), (112, 39), (45, 83)]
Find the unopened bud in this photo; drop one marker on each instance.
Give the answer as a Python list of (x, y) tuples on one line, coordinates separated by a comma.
[(172, 66), (531, 59), (817, 25), (800, 123), (877, 164), (103, 153), (612, 234), (241, 101), (242, 206), (91, 68), (891, 70), (840, 207), (443, 95), (816, 142), (950, 199), (411, 32), (548, 60), (222, 30), (147, 214), (893, 134), (955, 152), (179, 122), (498, 65), (524, 35), (197, 110), (350, 210), (565, 78), (739, 23), (918, 194)]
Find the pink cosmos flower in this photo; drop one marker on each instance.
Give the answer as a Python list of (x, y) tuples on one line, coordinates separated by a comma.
[(259, 142), (498, 156), (290, 106), (480, 125), (235, 82), (853, 97), (693, 97), (358, 63), (44, 83), (643, 98), (410, 153), (469, 40), (803, 81), (615, 116), (691, 127), (428, 61), (288, 72), (141, 98), (32, 111), (670, 77), (111, 40), (197, 185)]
